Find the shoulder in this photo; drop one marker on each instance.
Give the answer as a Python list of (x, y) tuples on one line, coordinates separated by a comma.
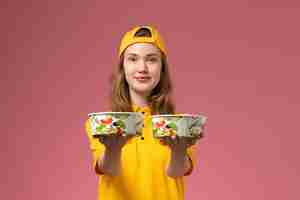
[(88, 128)]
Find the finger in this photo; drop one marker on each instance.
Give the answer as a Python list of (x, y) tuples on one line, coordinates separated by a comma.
[(175, 140), (101, 139), (105, 140), (189, 140), (192, 141), (163, 141), (169, 141), (202, 134)]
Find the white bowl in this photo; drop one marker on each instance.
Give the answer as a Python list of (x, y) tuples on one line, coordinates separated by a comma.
[(116, 123), (182, 125)]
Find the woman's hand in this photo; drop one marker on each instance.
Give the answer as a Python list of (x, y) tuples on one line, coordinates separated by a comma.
[(114, 142), (178, 144)]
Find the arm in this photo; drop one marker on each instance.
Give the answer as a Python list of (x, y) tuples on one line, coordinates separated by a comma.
[(106, 152), (179, 164), (110, 162), (181, 159)]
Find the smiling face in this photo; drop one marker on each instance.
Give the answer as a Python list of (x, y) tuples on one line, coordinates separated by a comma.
[(142, 66)]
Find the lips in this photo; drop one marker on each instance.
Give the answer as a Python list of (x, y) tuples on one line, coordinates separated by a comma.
[(142, 78)]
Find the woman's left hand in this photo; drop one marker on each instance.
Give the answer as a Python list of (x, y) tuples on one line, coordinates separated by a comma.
[(177, 143)]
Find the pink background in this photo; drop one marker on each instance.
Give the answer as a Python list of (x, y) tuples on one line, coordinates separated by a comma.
[(236, 61)]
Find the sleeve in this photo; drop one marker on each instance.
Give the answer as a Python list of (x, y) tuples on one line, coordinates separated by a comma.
[(96, 148), (192, 158)]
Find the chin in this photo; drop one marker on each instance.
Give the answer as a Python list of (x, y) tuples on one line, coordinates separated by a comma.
[(143, 90)]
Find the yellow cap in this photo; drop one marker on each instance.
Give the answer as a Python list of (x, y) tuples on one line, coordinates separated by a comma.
[(129, 38)]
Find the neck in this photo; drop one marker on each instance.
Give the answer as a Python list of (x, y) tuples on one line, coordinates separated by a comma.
[(138, 99)]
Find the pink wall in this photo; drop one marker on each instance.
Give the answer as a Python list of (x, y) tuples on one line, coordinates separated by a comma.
[(235, 61)]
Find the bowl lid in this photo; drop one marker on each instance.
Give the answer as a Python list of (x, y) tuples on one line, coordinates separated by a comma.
[(113, 113)]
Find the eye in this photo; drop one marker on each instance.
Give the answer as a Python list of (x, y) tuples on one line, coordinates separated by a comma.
[(132, 59), (153, 59)]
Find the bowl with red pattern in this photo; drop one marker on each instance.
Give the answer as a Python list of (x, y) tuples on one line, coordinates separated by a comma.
[(116, 123), (182, 125)]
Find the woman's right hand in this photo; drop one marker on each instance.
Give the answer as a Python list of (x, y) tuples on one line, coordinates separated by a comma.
[(114, 142)]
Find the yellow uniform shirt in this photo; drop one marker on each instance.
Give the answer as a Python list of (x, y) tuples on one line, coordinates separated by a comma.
[(143, 162)]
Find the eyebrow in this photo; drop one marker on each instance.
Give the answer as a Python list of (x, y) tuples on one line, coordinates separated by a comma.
[(148, 55)]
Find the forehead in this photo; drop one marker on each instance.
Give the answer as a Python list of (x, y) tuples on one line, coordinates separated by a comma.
[(142, 49)]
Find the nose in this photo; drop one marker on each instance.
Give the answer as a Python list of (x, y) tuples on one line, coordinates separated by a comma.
[(143, 66)]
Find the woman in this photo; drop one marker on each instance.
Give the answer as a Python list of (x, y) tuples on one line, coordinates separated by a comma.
[(135, 168)]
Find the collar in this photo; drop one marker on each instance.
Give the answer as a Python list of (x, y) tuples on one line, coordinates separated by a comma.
[(145, 110)]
